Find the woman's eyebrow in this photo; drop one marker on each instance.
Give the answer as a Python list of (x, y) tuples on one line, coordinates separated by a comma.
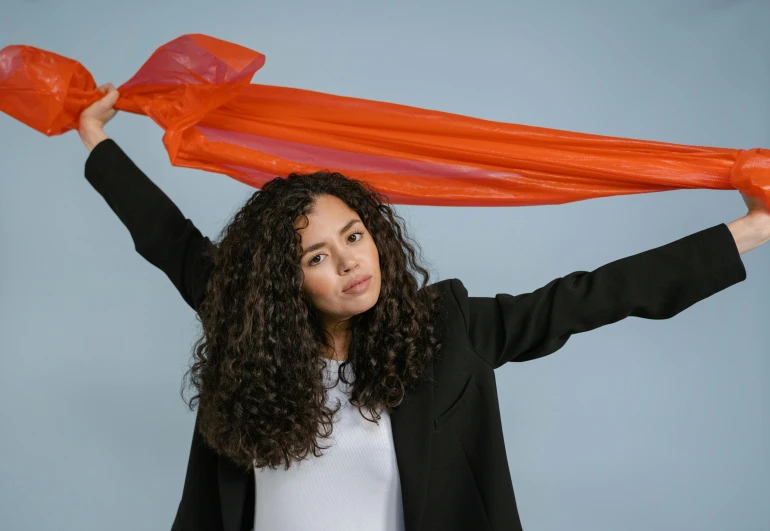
[(321, 244)]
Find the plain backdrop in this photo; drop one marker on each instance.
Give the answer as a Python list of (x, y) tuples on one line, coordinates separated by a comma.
[(638, 425)]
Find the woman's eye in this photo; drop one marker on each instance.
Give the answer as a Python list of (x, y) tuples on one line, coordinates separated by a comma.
[(312, 261)]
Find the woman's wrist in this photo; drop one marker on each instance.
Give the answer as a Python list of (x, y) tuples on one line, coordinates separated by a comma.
[(91, 136), (750, 231)]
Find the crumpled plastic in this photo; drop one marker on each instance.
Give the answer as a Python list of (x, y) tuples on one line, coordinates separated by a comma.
[(198, 89)]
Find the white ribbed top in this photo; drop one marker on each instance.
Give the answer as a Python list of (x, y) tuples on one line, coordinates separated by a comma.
[(353, 486)]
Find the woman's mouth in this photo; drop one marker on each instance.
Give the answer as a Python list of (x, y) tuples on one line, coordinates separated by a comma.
[(359, 287)]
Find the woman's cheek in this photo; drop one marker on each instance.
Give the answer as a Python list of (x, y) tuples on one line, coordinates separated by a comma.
[(317, 286)]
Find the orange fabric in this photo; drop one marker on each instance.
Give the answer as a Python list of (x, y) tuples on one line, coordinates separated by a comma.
[(198, 89)]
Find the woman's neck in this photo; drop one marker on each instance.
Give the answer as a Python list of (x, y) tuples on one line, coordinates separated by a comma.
[(340, 335), (335, 354)]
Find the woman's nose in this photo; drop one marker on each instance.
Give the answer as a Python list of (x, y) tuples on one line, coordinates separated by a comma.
[(347, 263)]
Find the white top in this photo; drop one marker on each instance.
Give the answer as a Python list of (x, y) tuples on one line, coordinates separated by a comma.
[(353, 486)]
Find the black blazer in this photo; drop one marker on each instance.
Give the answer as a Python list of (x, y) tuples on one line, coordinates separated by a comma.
[(448, 433)]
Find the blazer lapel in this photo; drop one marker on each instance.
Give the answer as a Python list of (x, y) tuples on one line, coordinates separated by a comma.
[(232, 493), (411, 426)]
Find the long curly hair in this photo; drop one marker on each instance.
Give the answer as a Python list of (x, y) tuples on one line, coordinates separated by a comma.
[(257, 370)]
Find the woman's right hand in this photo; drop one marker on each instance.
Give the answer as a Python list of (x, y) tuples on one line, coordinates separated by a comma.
[(94, 117), (100, 112)]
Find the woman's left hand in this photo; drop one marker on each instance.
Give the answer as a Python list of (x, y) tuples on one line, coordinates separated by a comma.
[(755, 205), (753, 229)]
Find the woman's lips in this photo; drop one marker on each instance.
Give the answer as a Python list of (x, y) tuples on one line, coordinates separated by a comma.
[(360, 287)]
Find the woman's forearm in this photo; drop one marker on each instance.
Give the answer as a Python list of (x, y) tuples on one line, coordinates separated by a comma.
[(91, 136), (750, 231)]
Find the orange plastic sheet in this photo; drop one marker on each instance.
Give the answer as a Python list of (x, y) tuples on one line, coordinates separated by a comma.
[(198, 89)]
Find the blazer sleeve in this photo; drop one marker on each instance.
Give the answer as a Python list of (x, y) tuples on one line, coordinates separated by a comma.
[(161, 233), (655, 284)]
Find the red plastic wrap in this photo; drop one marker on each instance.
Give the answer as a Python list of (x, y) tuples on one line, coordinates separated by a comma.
[(198, 89)]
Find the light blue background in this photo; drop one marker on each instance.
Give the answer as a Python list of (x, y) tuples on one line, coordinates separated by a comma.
[(640, 425)]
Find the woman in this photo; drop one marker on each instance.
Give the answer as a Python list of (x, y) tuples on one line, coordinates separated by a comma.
[(333, 391)]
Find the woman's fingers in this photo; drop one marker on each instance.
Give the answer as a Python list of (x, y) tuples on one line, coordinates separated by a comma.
[(110, 93), (102, 111), (106, 87)]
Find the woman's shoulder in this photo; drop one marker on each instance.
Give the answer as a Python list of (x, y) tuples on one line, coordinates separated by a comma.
[(453, 297), (450, 287)]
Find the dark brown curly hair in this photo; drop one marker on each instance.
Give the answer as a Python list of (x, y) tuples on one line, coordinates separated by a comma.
[(256, 368)]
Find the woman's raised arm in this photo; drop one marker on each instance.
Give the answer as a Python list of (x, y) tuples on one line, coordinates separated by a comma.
[(161, 233)]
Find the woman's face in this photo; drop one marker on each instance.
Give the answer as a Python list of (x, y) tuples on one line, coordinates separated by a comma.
[(336, 250)]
